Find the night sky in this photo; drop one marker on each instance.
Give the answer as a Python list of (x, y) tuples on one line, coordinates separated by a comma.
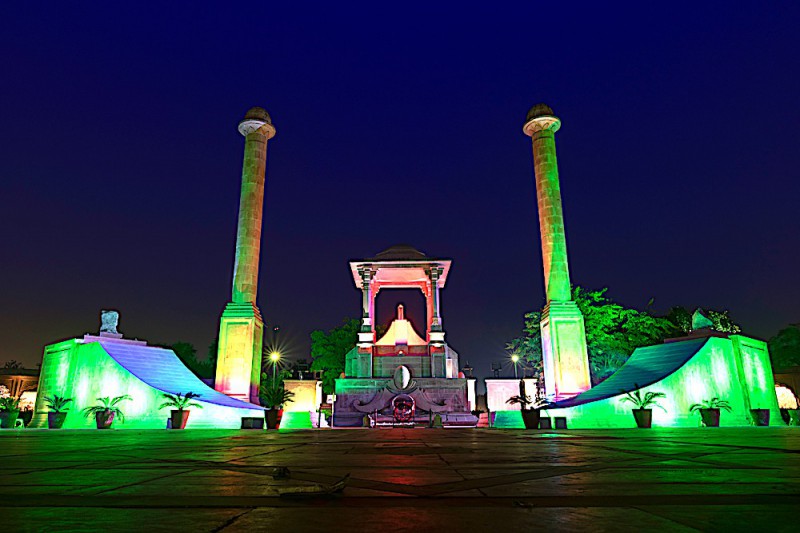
[(121, 163)]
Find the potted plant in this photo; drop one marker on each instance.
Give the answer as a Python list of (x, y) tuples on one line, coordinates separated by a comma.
[(9, 411), (58, 411), (106, 411), (642, 412), (710, 411), (274, 397), (180, 415), (529, 408)]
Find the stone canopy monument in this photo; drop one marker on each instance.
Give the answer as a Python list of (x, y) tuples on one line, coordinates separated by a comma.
[(402, 378)]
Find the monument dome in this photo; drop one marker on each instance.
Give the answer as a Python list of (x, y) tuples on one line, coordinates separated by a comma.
[(400, 252), (539, 110), (258, 113)]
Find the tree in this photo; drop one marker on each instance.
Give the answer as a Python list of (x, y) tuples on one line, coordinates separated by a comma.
[(722, 321), (681, 318), (784, 347), (529, 345), (612, 333), (328, 351), (187, 353)]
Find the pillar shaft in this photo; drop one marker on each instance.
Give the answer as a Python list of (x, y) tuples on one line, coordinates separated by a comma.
[(428, 292), (436, 321), (564, 354), (551, 217), (251, 205), (367, 301), (241, 328)]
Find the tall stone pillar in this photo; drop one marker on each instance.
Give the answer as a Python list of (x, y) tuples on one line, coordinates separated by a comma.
[(366, 334), (241, 327), (566, 362), (367, 301), (427, 291), (436, 322), (436, 334)]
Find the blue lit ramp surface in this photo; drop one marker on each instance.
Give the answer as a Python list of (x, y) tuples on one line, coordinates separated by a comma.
[(163, 370), (645, 366)]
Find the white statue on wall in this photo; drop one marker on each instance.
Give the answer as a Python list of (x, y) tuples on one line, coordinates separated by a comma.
[(109, 320)]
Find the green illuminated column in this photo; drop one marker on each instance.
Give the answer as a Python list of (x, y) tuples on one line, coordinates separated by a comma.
[(566, 363), (241, 326)]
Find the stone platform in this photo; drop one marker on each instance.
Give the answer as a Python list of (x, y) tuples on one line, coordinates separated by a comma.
[(682, 479)]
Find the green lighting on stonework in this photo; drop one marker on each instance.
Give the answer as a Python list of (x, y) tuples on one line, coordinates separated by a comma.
[(295, 420), (86, 371), (508, 420), (710, 372)]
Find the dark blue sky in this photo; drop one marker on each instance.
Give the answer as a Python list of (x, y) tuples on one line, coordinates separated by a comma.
[(120, 161)]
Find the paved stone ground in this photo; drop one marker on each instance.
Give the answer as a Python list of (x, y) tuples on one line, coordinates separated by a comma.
[(709, 479)]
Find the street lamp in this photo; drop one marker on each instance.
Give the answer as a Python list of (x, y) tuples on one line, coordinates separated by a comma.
[(274, 357), (515, 360)]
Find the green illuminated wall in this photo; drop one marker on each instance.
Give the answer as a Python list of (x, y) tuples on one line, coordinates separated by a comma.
[(737, 370), (296, 420), (84, 372)]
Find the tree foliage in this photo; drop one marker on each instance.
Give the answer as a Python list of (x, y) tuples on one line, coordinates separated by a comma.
[(328, 350), (612, 333), (187, 353), (529, 345), (784, 347), (681, 318)]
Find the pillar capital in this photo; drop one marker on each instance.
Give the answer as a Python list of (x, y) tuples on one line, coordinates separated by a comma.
[(366, 273), (539, 124), (257, 120), (248, 126), (540, 118), (434, 273)]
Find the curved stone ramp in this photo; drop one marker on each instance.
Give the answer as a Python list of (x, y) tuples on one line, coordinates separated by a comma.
[(96, 367), (645, 366), (736, 369), (162, 369)]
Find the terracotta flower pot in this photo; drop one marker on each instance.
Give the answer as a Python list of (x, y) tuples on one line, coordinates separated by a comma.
[(710, 417), (104, 419), (55, 419), (530, 417), (271, 416), (8, 419), (760, 417), (643, 417), (179, 418)]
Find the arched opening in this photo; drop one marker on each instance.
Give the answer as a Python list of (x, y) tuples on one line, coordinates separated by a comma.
[(415, 308)]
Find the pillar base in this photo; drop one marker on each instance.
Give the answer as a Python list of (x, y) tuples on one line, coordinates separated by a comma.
[(566, 360), (241, 331)]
